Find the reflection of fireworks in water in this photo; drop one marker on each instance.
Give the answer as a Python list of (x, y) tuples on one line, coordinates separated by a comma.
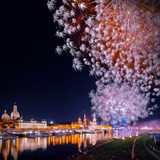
[(120, 40), (122, 102)]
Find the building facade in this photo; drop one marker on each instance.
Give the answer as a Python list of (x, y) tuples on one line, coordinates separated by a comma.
[(79, 125), (15, 121), (32, 124)]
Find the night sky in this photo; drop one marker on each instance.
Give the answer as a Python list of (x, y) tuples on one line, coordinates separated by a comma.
[(42, 83)]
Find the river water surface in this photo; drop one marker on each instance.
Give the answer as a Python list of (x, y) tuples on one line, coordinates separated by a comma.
[(48, 148)]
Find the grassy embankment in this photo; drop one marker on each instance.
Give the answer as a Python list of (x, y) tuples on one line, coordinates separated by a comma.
[(140, 151), (115, 150)]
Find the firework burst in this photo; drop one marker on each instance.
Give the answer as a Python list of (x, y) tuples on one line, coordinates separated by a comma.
[(120, 41), (114, 102)]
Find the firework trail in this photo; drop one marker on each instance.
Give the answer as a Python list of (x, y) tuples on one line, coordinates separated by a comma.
[(118, 39)]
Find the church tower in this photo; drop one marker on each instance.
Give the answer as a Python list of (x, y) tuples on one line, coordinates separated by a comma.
[(85, 121), (15, 114), (79, 121), (94, 119)]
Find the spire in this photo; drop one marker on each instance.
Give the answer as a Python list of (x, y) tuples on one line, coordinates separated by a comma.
[(94, 117), (15, 108), (85, 120), (84, 115), (5, 111)]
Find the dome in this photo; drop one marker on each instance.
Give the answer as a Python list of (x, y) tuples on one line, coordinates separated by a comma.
[(5, 116), (15, 107), (15, 114)]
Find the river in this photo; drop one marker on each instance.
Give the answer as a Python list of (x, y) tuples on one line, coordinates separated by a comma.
[(48, 148)]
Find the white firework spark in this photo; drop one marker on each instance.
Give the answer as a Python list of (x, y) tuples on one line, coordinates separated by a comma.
[(51, 4)]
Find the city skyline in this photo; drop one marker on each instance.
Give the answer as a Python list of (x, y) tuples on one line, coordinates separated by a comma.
[(33, 75)]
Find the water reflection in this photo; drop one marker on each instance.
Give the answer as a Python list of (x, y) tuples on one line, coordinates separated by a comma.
[(19, 145), (16, 146)]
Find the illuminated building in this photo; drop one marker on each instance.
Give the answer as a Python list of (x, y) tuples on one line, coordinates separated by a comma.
[(73, 125), (32, 124), (15, 114), (5, 116), (79, 125), (94, 120), (93, 124), (79, 121), (85, 121), (17, 122), (6, 121)]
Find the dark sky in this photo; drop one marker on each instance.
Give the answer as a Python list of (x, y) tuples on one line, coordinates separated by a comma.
[(43, 84)]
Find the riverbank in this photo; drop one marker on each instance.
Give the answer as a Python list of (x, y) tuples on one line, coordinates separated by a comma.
[(143, 147), (109, 149), (146, 149)]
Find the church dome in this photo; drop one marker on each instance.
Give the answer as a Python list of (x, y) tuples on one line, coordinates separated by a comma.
[(5, 116), (15, 114)]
